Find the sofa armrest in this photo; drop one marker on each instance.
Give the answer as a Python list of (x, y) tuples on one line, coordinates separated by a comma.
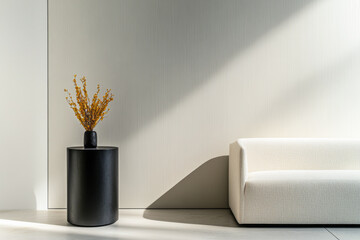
[(237, 178)]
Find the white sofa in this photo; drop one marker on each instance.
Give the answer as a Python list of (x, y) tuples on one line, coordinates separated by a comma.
[(295, 181)]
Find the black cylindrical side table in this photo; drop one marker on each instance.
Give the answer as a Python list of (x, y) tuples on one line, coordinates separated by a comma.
[(92, 186)]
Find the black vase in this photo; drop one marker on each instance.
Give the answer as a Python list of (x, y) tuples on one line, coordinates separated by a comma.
[(90, 139)]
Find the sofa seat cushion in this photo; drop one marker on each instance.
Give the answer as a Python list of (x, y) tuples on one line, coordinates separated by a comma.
[(302, 196)]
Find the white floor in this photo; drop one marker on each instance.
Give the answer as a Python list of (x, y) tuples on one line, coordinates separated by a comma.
[(158, 224)]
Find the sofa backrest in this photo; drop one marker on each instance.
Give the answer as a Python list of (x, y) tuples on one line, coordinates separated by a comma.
[(266, 154)]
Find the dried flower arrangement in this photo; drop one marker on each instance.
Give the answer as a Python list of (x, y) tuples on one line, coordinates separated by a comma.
[(89, 113)]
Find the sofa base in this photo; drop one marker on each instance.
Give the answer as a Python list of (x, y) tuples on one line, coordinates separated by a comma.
[(302, 197)]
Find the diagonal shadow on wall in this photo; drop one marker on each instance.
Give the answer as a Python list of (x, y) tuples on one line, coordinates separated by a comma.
[(205, 187)]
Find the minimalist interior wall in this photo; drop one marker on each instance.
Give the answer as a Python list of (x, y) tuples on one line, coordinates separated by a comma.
[(23, 102), (189, 77)]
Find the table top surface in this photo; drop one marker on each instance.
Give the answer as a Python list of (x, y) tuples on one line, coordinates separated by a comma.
[(98, 148)]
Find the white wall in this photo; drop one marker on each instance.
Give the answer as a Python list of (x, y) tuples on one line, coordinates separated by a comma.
[(189, 77), (23, 104)]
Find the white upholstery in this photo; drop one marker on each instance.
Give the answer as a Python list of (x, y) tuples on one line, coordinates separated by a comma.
[(295, 181)]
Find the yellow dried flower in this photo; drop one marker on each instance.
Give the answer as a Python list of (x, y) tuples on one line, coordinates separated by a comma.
[(89, 113)]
